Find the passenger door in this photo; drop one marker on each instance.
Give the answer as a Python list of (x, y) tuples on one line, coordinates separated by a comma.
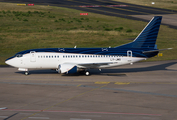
[(129, 55), (32, 56)]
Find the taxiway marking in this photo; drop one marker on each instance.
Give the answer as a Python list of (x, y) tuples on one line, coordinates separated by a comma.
[(89, 112), (141, 7), (145, 13), (79, 85), (102, 82), (122, 83), (79, 119), (39, 118), (3, 116), (89, 81), (98, 10)]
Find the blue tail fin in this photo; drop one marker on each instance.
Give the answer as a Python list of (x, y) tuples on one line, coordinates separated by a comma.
[(147, 38)]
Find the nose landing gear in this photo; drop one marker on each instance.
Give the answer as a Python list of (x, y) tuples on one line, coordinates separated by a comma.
[(25, 70)]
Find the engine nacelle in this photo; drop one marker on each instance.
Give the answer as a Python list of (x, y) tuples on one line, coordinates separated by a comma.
[(67, 68)]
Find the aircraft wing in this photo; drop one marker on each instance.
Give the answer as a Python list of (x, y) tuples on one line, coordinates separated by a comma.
[(73, 67)]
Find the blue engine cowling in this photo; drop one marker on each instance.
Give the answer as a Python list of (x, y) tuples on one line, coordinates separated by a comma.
[(67, 68), (73, 70)]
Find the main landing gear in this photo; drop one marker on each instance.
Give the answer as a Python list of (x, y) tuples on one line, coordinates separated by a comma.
[(84, 72), (26, 72), (87, 73)]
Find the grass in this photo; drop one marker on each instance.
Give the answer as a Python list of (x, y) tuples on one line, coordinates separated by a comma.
[(167, 4), (28, 27)]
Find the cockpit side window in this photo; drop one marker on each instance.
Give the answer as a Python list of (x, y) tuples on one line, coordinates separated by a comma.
[(19, 55)]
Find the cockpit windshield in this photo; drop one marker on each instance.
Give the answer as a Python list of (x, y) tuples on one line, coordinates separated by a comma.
[(19, 55)]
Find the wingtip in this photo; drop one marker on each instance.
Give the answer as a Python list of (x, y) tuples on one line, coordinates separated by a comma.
[(169, 48)]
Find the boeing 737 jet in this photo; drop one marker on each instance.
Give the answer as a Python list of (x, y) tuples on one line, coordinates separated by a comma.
[(72, 60)]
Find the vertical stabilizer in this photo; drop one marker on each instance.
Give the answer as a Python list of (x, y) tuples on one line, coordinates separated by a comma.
[(147, 38)]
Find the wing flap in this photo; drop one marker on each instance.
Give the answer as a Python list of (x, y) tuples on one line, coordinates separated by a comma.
[(93, 65)]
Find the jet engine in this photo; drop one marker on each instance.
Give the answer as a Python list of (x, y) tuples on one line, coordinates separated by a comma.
[(67, 68)]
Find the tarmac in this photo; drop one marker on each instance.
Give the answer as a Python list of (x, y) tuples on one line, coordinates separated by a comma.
[(144, 90)]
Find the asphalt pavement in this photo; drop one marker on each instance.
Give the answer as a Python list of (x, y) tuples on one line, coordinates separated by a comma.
[(143, 91)]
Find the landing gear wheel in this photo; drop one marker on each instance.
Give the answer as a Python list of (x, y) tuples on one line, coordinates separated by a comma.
[(87, 73), (26, 73)]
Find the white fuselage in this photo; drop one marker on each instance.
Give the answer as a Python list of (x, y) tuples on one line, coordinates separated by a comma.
[(49, 60)]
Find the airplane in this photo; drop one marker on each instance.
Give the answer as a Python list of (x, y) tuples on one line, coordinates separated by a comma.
[(73, 60)]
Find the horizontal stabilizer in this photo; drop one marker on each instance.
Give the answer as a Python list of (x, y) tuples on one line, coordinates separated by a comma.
[(156, 50)]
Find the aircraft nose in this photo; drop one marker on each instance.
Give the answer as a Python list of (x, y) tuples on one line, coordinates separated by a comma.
[(8, 62)]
